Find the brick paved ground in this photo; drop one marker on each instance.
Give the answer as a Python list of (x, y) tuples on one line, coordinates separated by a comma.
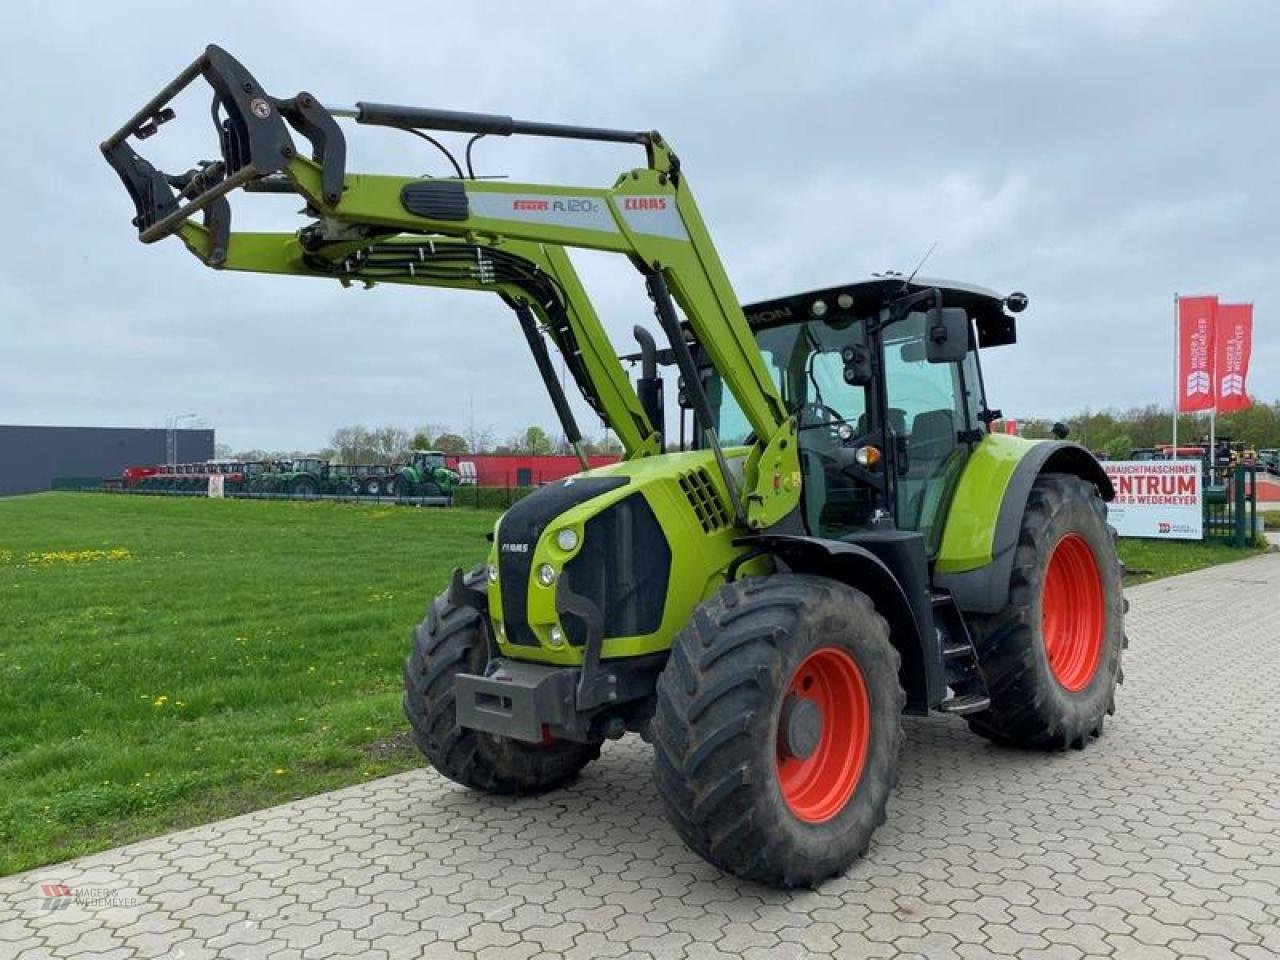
[(1162, 840)]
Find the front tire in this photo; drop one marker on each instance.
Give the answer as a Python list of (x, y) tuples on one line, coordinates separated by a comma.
[(1051, 658), (454, 639), (778, 728)]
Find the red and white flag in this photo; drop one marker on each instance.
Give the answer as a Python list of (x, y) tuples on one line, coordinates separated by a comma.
[(1234, 336), (1196, 322)]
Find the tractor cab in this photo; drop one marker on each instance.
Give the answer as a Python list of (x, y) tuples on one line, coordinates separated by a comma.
[(884, 379), (428, 460)]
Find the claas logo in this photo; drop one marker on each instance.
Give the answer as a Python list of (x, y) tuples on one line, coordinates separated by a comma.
[(644, 203)]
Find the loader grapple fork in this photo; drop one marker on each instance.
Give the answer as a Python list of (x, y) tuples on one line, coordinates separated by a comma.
[(253, 139)]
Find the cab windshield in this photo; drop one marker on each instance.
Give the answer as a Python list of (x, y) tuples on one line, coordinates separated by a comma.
[(805, 362)]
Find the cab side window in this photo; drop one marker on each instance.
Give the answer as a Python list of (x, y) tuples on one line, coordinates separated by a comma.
[(931, 404)]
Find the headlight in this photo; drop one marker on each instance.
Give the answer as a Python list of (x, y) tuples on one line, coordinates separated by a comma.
[(546, 574), (567, 539)]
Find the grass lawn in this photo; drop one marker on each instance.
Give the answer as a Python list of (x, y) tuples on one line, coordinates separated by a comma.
[(1151, 559), (167, 662)]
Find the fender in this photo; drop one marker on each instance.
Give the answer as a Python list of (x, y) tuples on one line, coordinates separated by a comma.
[(985, 589), (889, 566)]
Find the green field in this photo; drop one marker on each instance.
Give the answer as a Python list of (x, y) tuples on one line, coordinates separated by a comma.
[(166, 662), (1151, 559)]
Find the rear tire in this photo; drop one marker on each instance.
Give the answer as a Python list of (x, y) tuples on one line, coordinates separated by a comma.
[(303, 487), (454, 639), (778, 728), (1051, 658)]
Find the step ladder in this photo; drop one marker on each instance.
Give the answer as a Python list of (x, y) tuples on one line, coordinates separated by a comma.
[(960, 660)]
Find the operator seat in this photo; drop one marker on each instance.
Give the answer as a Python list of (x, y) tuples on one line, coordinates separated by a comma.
[(931, 443), (933, 436), (897, 422)]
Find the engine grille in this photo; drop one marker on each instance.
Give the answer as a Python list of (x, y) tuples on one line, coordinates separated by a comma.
[(707, 505), (623, 568)]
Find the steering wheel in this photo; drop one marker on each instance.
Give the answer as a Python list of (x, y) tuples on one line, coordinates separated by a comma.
[(810, 415)]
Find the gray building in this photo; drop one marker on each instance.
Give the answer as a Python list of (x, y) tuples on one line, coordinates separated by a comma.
[(31, 458)]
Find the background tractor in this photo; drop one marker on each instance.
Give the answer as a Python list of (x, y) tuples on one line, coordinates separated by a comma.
[(305, 477), (344, 479), (425, 475), (843, 540), (373, 478)]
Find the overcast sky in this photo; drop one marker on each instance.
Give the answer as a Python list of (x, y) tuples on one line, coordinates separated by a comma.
[(1098, 155)]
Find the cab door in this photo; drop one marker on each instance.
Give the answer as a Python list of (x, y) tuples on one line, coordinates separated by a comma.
[(933, 411)]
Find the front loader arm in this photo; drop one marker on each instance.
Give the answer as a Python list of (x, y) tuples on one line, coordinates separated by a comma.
[(577, 331), (648, 215)]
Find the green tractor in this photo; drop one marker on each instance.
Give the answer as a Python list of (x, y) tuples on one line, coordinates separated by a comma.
[(304, 477), (844, 541), (267, 478), (345, 479), (425, 475), (242, 476)]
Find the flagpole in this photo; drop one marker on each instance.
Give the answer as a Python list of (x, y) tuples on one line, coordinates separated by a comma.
[(1176, 374), (1213, 425), (1213, 385)]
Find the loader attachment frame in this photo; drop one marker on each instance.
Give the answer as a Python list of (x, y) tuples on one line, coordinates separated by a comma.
[(649, 215)]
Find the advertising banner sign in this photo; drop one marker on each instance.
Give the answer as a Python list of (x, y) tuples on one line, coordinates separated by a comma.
[(1235, 343), (1163, 499), (1196, 320)]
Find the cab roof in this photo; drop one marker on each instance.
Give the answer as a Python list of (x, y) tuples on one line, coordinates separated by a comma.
[(996, 327)]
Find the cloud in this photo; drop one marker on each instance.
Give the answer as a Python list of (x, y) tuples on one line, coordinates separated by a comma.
[(1099, 156)]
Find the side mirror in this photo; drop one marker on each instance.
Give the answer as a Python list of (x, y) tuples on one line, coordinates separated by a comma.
[(946, 335), (857, 365)]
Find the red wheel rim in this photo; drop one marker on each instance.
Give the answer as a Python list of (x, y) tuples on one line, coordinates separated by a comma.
[(1072, 613), (816, 787)]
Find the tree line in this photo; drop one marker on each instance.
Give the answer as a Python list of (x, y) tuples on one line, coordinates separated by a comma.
[(363, 444), (1118, 432), (1114, 432)]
